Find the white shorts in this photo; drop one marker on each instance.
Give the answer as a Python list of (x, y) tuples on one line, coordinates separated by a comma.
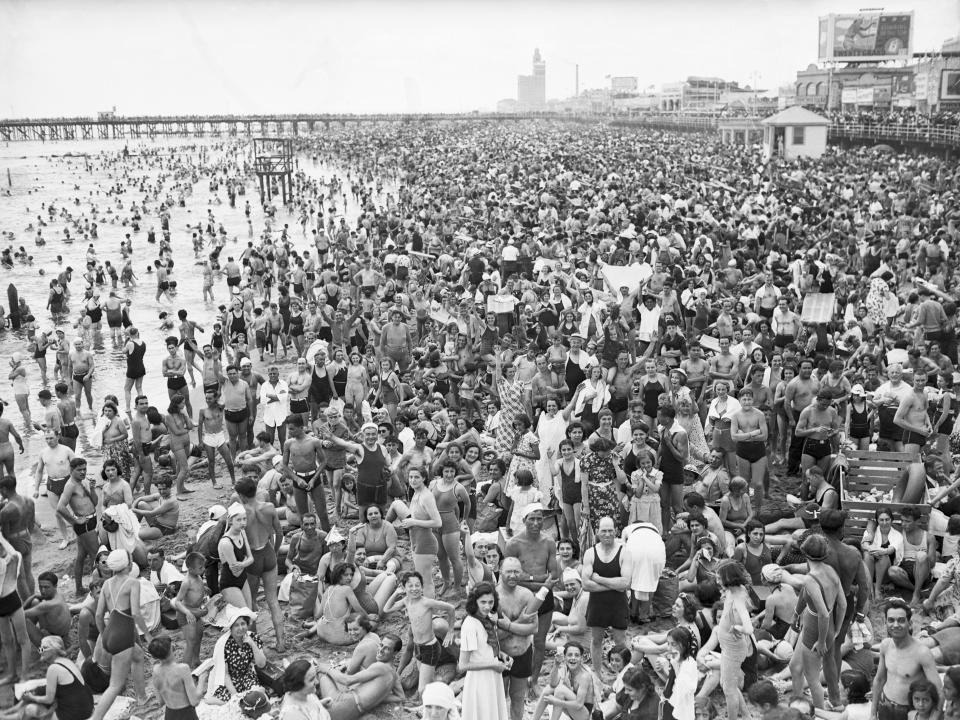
[(214, 440)]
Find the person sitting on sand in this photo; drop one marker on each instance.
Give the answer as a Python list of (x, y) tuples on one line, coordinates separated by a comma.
[(47, 612), (161, 512), (355, 696)]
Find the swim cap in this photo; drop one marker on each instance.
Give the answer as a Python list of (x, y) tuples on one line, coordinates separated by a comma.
[(118, 560)]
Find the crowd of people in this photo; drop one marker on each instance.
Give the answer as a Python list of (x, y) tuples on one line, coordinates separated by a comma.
[(549, 386)]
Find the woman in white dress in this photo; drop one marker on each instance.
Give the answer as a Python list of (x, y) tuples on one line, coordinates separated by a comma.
[(723, 407), (482, 697), (551, 429)]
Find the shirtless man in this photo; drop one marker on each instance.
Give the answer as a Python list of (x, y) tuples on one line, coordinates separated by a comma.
[(142, 442), (517, 623), (78, 504), (304, 463), (306, 547), (54, 461), (902, 660), (723, 365), (798, 397), (355, 696), (420, 611), (212, 372), (697, 370), (47, 612), (538, 559), (17, 518), (912, 417), (174, 682), (51, 412), (887, 399), (264, 536), (237, 407), (748, 429), (211, 436), (81, 364), (606, 571), (298, 383), (919, 554), (395, 340), (818, 426), (69, 432)]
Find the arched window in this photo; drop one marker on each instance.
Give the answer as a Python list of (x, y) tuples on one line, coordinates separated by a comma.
[(810, 88), (819, 88), (800, 92)]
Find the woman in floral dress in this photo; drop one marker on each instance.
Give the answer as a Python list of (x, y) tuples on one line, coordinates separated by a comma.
[(526, 452), (604, 479), (115, 444)]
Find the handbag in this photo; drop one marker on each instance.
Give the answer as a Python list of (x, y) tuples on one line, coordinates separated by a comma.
[(270, 677), (488, 517)]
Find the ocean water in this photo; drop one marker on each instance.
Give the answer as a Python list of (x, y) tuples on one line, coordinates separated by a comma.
[(60, 173)]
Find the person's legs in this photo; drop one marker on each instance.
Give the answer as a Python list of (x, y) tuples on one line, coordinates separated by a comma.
[(273, 604), (119, 671), (211, 464), (451, 544), (320, 506), (88, 391), (758, 476), (920, 573), (180, 455), (665, 505), (811, 671), (382, 588), (596, 646), (517, 697), (228, 461), (54, 500), (539, 648)]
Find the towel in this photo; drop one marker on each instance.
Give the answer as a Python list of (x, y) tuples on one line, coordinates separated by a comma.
[(218, 673), (127, 537), (895, 539), (599, 400)]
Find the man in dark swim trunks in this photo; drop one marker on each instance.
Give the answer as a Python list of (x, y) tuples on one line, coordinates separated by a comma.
[(81, 365), (78, 504)]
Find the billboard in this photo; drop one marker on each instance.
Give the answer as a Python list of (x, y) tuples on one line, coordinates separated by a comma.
[(866, 36), (623, 85), (950, 86)]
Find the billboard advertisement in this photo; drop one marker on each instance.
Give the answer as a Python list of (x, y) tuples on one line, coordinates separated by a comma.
[(866, 36), (624, 84), (950, 86)]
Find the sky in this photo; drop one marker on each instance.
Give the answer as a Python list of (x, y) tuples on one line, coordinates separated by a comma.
[(78, 57)]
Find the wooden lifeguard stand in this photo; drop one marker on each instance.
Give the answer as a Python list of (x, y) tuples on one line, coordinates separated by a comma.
[(273, 159)]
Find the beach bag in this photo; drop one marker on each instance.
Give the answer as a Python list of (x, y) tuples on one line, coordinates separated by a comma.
[(270, 677), (488, 517), (303, 595), (668, 589)]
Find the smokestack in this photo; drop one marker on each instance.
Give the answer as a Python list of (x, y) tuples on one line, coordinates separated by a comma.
[(576, 81)]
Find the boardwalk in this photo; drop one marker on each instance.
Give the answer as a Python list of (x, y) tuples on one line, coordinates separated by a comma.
[(122, 127)]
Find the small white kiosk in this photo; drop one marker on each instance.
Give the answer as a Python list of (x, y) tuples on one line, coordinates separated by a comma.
[(795, 132)]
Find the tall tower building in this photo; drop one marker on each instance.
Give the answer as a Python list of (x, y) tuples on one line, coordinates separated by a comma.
[(532, 89)]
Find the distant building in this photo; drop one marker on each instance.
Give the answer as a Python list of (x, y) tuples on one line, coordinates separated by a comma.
[(696, 94), (793, 133), (532, 89), (507, 105)]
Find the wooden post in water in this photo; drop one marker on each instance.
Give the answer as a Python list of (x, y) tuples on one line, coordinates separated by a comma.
[(9, 181), (14, 300)]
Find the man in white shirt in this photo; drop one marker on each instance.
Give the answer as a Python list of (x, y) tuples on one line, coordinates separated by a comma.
[(275, 400), (162, 572)]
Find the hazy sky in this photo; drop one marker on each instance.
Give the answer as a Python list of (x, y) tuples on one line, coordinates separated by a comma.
[(72, 57)]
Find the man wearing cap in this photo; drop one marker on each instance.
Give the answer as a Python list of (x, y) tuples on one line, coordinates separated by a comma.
[(78, 505), (81, 365), (538, 558), (373, 466), (573, 625), (606, 571), (52, 419)]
